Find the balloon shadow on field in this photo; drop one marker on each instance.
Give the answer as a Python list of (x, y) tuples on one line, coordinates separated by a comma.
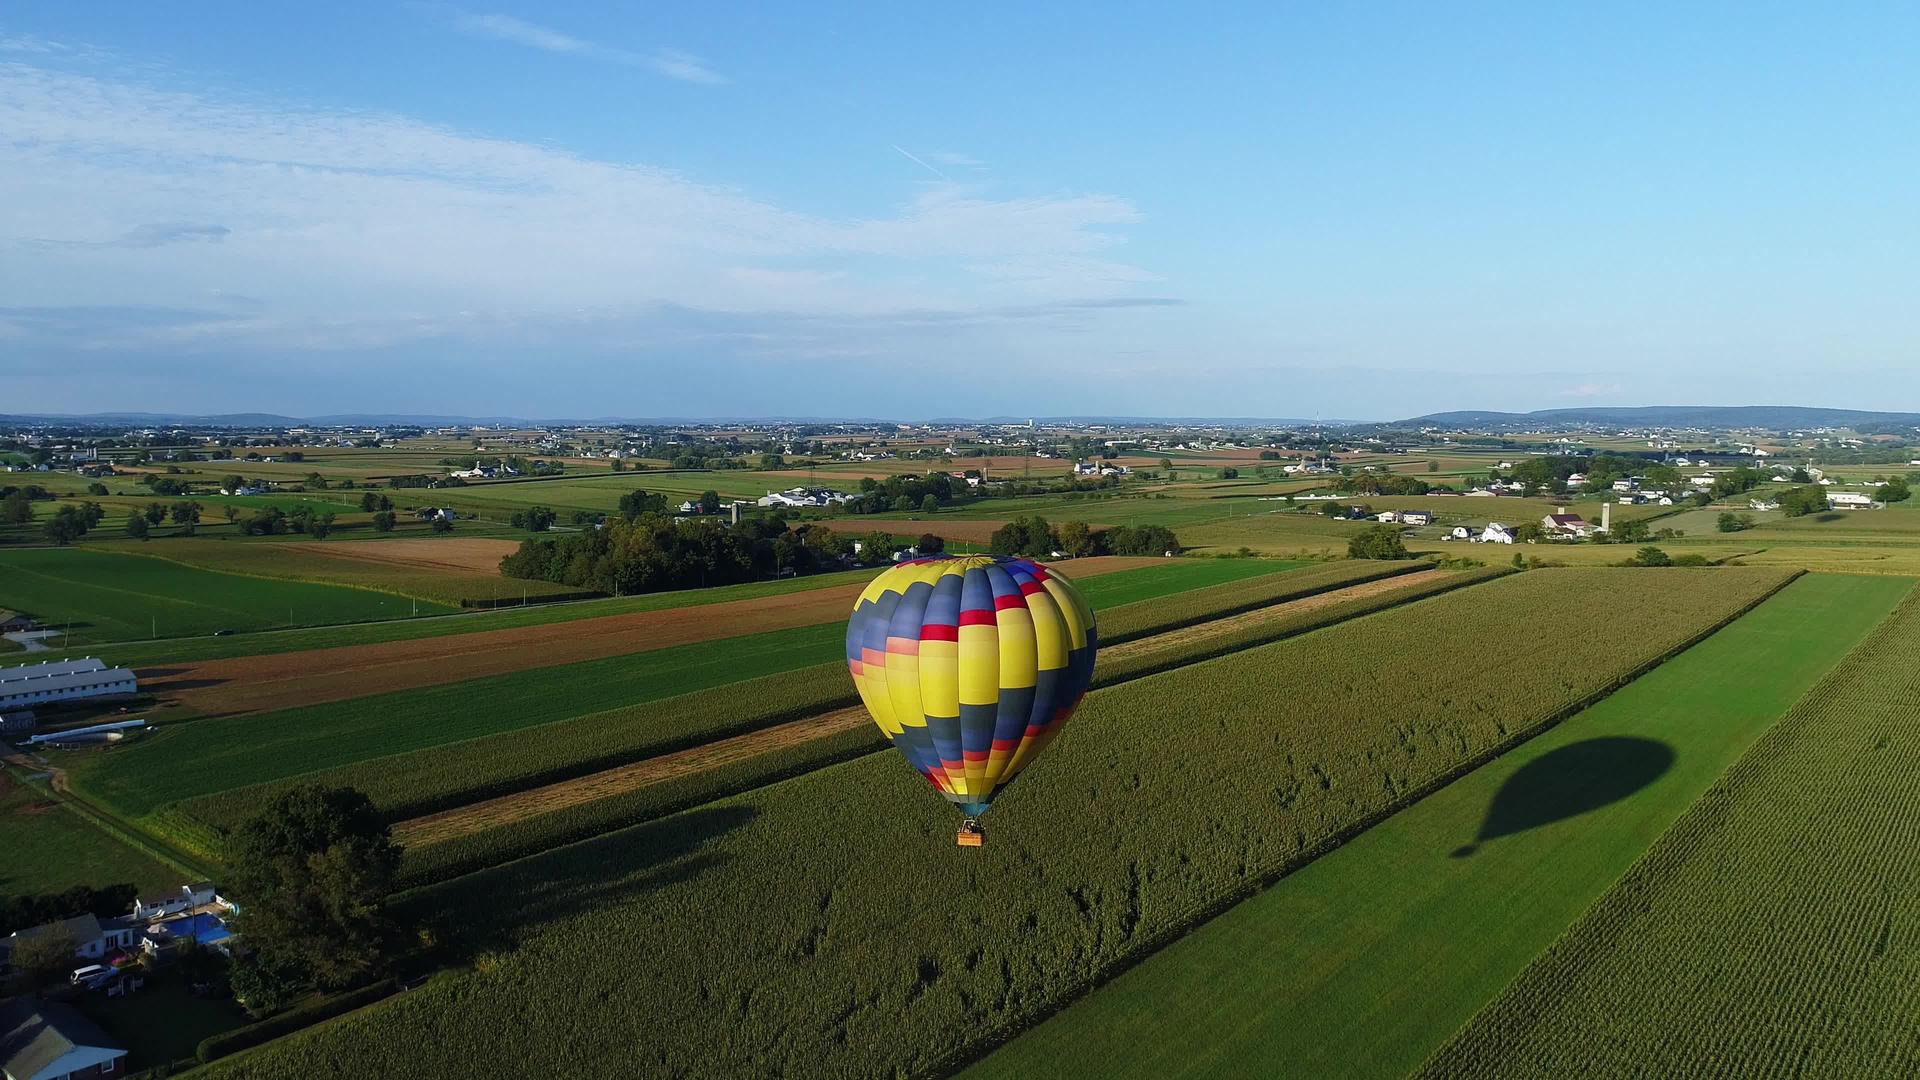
[(1571, 781)]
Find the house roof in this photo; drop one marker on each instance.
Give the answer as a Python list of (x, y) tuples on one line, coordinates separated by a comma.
[(35, 1034), (1566, 519), (81, 928)]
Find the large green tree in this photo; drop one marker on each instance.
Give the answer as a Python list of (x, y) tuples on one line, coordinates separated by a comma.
[(311, 875), (1377, 542)]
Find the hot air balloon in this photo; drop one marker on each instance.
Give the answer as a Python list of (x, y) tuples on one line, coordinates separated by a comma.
[(971, 665)]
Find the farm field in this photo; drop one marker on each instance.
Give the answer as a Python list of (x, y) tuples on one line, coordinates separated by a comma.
[(148, 654), (439, 570), (1770, 931), (109, 596), (826, 924), (1368, 958), (286, 680), (50, 848), (459, 774), (1135, 658), (198, 757)]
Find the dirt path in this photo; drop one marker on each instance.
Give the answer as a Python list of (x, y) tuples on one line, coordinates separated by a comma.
[(285, 680), (505, 809), (492, 813)]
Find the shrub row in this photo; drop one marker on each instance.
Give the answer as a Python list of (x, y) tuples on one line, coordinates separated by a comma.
[(829, 926), (232, 1042)]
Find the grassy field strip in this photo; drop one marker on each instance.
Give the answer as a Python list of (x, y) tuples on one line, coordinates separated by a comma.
[(1770, 932), (828, 925), (110, 596), (267, 643), (1364, 960), (518, 806)]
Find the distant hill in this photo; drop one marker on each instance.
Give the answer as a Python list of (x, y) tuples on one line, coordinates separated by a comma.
[(1768, 417)]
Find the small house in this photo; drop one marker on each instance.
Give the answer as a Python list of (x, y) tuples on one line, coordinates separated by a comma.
[(163, 905), (1415, 517), (1566, 525), (92, 937), (1496, 533), (45, 1040)]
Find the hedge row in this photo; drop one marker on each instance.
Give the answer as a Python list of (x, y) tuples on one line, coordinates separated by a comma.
[(232, 1042)]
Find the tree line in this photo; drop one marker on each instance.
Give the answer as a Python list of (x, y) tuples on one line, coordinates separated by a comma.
[(1036, 536)]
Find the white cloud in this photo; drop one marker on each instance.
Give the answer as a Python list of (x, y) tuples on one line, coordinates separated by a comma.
[(672, 63), (686, 67), (356, 228), (520, 32)]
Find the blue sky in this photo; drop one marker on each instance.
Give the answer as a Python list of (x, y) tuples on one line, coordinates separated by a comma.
[(1352, 210)]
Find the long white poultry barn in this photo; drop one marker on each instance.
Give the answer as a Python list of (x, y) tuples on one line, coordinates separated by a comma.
[(62, 680)]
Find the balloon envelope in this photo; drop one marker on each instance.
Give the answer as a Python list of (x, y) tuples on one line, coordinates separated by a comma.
[(971, 665)]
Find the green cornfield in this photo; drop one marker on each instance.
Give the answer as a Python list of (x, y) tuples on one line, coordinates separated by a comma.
[(828, 926), (1770, 932)]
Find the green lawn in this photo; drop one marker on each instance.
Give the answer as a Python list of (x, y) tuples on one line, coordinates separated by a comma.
[(162, 1023), (1368, 958), (117, 597), (44, 848)]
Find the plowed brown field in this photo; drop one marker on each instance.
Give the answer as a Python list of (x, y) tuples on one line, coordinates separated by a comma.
[(467, 554), (285, 680)]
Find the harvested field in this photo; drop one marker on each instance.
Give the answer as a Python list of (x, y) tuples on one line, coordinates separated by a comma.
[(471, 555), (465, 820), (286, 680)]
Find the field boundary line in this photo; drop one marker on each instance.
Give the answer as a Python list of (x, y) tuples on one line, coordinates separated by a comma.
[(137, 839), (1184, 924)]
